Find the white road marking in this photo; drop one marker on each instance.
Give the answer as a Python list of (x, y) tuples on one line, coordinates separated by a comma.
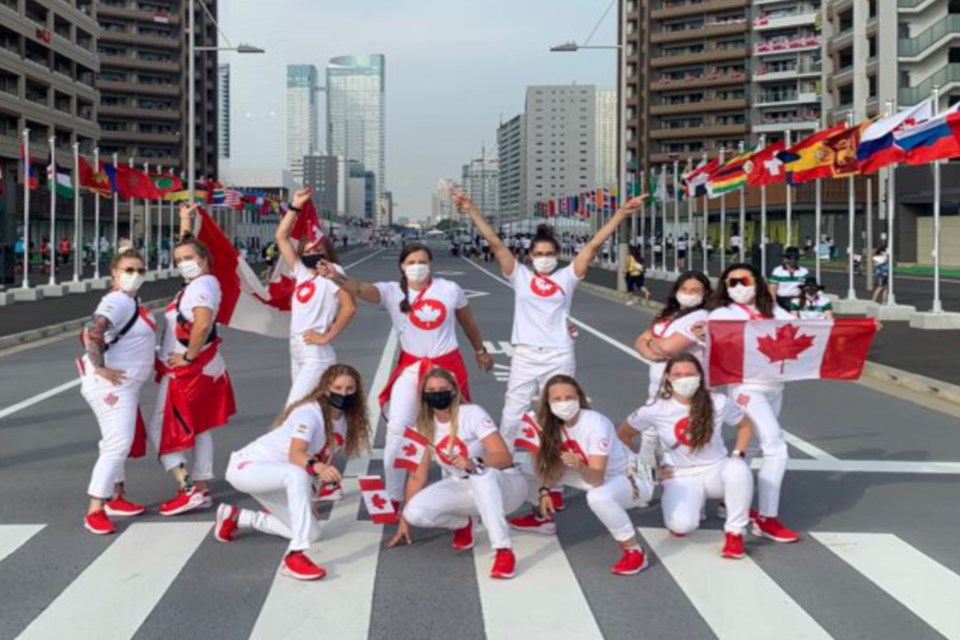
[(14, 536), (921, 584), (40, 397), (739, 600), (498, 348), (870, 466), (802, 445), (116, 593), (358, 466), (469, 293), (364, 259), (543, 601)]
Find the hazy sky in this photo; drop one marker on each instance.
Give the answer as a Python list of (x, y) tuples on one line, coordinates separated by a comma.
[(454, 69)]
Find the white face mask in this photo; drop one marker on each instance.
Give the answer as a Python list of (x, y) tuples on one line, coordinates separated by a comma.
[(130, 282), (689, 300), (545, 264), (417, 273), (189, 269), (742, 294), (565, 409), (685, 387)]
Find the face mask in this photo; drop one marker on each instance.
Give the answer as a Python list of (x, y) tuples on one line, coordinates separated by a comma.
[(689, 300), (311, 261), (130, 282), (565, 409), (742, 294), (417, 273), (438, 399), (341, 401), (545, 264), (189, 269), (685, 387)]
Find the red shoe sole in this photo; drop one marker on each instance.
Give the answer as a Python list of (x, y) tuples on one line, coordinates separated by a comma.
[(98, 532), (303, 577), (646, 563), (760, 533), (502, 576)]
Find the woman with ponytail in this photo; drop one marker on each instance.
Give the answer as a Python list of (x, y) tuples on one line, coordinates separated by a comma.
[(424, 312), (686, 419)]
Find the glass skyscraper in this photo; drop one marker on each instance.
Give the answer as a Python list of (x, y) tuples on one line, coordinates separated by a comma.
[(301, 116)]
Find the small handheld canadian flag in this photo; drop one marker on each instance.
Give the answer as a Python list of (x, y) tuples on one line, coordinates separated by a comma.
[(376, 500), (412, 448), (530, 432)]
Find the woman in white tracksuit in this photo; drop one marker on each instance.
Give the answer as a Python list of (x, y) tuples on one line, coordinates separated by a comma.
[(685, 421), (119, 350), (743, 295), (479, 479), (579, 448), (320, 310), (278, 467)]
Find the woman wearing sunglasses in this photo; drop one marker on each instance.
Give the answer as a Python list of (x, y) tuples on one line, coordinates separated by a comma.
[(743, 295), (118, 344), (320, 310)]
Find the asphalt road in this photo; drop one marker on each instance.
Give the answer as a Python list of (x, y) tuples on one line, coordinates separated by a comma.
[(872, 487)]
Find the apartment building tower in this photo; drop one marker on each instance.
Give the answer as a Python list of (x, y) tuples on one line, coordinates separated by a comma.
[(511, 145), (302, 113)]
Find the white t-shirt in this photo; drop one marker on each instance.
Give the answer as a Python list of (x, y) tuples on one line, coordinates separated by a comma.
[(304, 423), (315, 304), (134, 352), (671, 421), (788, 284), (683, 326), (473, 425), (595, 435), (430, 329), (199, 292), (542, 306)]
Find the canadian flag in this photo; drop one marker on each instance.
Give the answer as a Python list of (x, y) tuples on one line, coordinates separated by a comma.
[(376, 500), (412, 448), (530, 433), (282, 282), (781, 350)]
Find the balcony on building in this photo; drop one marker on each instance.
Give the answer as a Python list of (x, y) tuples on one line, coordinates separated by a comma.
[(698, 127), (697, 53), (792, 95), (702, 77), (699, 28), (780, 119), (941, 33), (679, 8), (787, 68), (776, 18), (136, 11), (779, 44)]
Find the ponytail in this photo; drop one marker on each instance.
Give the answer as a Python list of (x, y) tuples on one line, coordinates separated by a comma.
[(545, 233), (413, 247), (405, 288)]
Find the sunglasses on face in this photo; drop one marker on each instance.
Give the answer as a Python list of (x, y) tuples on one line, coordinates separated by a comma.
[(745, 281), (132, 270)]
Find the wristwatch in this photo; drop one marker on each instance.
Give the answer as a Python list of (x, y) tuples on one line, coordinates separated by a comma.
[(736, 453), (293, 208), (481, 351)]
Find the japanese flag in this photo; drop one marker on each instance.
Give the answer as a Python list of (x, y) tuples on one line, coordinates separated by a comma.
[(772, 351), (412, 448), (375, 499), (530, 432)]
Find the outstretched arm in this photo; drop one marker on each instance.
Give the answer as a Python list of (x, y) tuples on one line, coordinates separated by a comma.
[(582, 262), (285, 244), (186, 219), (499, 249), (353, 286)]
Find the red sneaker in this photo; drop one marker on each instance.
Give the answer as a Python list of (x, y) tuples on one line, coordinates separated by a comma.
[(557, 500), (534, 524), (297, 565), (121, 507), (463, 537), (226, 526), (98, 523), (632, 562), (504, 565), (207, 499), (733, 547), (182, 503), (329, 492), (772, 528)]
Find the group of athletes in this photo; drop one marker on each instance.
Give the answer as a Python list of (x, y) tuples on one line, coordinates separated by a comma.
[(677, 431)]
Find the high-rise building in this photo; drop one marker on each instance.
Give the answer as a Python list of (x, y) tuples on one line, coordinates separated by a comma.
[(385, 210), (606, 139), (223, 110), (302, 116), (356, 123), (512, 150), (481, 181), (441, 201), (560, 141), (322, 174)]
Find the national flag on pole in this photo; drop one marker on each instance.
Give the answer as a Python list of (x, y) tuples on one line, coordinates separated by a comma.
[(657, 188), (878, 145), (764, 167), (412, 449), (841, 147), (59, 180), (282, 283), (936, 139), (376, 500), (232, 198), (130, 183), (773, 351), (28, 173), (695, 181), (94, 181), (732, 175), (530, 433), (810, 159), (166, 183)]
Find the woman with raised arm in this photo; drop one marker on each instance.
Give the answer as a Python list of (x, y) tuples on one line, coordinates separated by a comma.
[(424, 311), (320, 310), (195, 394)]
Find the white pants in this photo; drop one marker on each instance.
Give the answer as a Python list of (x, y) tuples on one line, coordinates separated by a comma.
[(685, 494), (448, 503), (608, 501), (284, 491), (308, 362), (402, 413), (530, 368), (199, 460), (763, 409), (115, 408)]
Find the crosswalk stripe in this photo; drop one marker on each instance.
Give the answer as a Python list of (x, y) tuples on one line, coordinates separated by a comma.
[(14, 536), (528, 605), (340, 605), (739, 600), (921, 584), (116, 593)]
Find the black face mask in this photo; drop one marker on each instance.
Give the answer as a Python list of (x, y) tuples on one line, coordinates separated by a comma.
[(438, 399), (311, 261), (341, 401)]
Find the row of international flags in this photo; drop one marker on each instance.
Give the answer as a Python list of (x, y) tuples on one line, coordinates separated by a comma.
[(913, 136)]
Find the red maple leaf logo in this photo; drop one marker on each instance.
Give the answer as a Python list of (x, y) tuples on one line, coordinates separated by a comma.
[(786, 345), (409, 450), (111, 399), (378, 502), (529, 432)]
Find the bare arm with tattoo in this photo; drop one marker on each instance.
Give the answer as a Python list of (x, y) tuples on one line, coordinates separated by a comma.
[(95, 344)]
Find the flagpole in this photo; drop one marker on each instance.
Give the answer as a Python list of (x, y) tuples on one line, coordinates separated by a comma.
[(159, 227), (691, 203), (96, 218), (146, 221), (817, 221), (676, 216), (937, 305), (851, 229), (77, 233), (868, 251), (25, 170), (663, 213), (116, 210), (891, 212), (763, 216), (723, 221), (786, 145), (643, 215), (743, 214), (52, 186), (706, 226)]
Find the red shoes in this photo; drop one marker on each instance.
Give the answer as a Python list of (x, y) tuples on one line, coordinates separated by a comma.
[(504, 565), (98, 523), (463, 537), (297, 565), (631, 563)]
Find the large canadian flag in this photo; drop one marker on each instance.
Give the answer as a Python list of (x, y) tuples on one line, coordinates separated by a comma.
[(781, 350), (412, 449), (530, 433), (376, 500)]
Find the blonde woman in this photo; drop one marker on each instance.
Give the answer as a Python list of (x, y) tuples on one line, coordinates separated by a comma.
[(479, 479), (278, 467)]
